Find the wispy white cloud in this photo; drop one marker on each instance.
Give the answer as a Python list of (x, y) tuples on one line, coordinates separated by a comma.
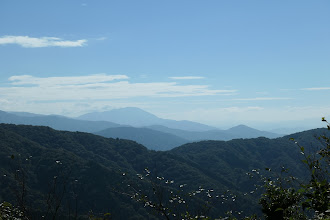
[(4, 101), (186, 77), (101, 38), (33, 42), (262, 93), (97, 87), (263, 99), (240, 109), (60, 81), (316, 88), (308, 89)]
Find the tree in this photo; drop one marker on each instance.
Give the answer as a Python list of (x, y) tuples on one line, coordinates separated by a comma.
[(9, 212), (286, 198), (283, 197)]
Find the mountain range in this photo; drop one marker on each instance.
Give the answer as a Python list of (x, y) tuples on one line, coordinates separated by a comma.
[(102, 172), (139, 118), (135, 124), (54, 121)]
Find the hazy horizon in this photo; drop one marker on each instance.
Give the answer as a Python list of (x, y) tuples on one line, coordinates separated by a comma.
[(276, 128), (221, 63)]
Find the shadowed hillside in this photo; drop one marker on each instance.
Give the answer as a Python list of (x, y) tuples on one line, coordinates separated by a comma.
[(94, 166)]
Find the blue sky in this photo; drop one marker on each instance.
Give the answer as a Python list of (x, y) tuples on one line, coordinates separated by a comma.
[(223, 63)]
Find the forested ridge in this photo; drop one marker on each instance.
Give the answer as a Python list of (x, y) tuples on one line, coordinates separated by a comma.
[(93, 174)]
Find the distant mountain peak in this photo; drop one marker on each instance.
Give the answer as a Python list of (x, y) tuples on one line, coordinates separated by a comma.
[(246, 131), (139, 118), (126, 116), (241, 126)]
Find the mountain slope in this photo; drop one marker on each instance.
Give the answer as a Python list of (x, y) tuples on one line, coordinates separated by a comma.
[(98, 164), (243, 131), (139, 118), (230, 158), (240, 131), (194, 135), (126, 116), (43, 155), (56, 122), (154, 140)]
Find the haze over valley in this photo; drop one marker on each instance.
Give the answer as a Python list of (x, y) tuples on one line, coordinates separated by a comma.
[(135, 124)]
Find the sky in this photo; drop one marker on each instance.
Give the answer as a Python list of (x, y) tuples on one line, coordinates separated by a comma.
[(265, 64)]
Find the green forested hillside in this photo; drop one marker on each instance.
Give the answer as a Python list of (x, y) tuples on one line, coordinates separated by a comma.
[(88, 169), (43, 154), (154, 140)]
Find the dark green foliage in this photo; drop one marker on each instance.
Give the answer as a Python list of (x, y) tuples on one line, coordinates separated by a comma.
[(287, 198), (280, 202), (9, 212), (80, 172), (89, 170), (283, 196)]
